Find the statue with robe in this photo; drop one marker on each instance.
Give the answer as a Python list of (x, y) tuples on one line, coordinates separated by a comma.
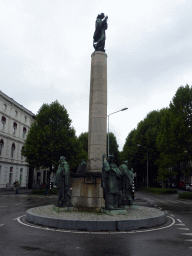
[(62, 179), (111, 183), (99, 35)]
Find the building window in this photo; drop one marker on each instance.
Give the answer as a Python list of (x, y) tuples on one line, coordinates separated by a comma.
[(12, 150), (4, 107), (14, 127), (25, 119), (3, 121), (24, 132), (1, 146), (15, 113)]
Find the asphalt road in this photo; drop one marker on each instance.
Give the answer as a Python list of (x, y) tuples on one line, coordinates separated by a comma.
[(17, 237)]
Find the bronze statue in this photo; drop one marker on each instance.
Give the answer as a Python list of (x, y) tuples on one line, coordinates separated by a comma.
[(111, 183), (126, 184), (62, 178), (99, 35), (82, 168)]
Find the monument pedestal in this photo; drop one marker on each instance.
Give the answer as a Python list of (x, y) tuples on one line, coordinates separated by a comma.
[(114, 211), (87, 193), (62, 209)]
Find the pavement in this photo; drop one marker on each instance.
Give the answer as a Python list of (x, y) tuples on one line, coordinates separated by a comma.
[(12, 192)]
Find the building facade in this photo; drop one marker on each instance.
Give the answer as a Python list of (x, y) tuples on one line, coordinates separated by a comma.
[(14, 126)]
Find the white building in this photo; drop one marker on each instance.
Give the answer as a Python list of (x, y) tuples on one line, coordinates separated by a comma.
[(15, 121)]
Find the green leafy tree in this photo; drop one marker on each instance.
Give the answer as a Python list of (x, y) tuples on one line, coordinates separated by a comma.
[(164, 174), (174, 140), (113, 147), (50, 137), (83, 138), (145, 136)]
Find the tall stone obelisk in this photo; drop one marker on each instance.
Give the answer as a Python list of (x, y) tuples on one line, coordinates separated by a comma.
[(86, 187), (97, 111)]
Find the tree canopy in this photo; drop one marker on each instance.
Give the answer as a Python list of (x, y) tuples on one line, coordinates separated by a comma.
[(166, 134), (50, 137)]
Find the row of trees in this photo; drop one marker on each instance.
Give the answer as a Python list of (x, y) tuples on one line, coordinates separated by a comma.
[(52, 136), (166, 135)]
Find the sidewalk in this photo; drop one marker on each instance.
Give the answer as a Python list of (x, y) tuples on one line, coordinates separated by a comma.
[(12, 192)]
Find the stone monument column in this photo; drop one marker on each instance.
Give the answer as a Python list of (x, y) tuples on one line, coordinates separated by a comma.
[(97, 139), (86, 187)]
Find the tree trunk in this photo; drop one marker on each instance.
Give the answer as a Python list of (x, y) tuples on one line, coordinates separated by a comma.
[(163, 183)]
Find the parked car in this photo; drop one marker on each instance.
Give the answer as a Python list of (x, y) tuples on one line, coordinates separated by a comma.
[(187, 186), (190, 188)]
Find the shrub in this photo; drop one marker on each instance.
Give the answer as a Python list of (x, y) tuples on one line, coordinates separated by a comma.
[(160, 191), (185, 195)]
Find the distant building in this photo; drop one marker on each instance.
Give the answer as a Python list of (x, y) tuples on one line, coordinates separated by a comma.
[(14, 126)]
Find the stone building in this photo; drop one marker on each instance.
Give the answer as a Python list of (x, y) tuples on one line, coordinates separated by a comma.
[(14, 126)]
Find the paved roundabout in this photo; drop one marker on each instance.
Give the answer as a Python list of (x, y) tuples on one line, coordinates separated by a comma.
[(142, 217)]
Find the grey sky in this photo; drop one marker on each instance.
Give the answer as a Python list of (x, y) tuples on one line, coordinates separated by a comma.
[(46, 47)]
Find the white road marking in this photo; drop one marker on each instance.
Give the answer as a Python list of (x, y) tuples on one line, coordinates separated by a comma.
[(179, 220), (180, 224), (184, 202), (95, 233), (19, 217), (161, 201), (1, 225), (172, 201), (186, 234), (172, 215), (184, 228), (188, 240), (149, 200)]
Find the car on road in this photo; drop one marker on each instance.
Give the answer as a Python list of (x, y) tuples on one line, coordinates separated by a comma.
[(190, 188)]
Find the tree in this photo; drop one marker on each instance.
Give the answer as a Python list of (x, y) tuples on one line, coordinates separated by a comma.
[(83, 138), (164, 174), (113, 147), (174, 140), (51, 137), (145, 135)]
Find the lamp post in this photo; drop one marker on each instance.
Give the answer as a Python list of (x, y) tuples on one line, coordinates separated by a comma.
[(108, 125), (147, 160)]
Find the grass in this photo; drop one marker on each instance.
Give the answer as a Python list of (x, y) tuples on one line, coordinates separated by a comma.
[(160, 191), (42, 191), (185, 195)]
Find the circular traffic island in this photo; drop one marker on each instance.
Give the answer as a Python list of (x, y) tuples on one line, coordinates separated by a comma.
[(141, 217)]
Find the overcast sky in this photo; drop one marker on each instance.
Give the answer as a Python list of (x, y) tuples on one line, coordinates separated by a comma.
[(46, 47)]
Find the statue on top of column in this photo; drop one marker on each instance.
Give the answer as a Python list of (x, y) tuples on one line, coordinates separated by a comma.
[(99, 35)]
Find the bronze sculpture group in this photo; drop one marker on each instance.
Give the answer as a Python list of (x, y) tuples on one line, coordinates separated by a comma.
[(116, 183)]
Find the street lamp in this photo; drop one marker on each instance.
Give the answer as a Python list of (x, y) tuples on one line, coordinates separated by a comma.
[(147, 160), (108, 125)]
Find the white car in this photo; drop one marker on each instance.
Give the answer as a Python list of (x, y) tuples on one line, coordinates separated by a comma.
[(190, 188)]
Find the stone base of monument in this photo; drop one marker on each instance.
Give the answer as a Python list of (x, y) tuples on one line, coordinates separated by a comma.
[(114, 211), (63, 209), (130, 207), (143, 217), (87, 191)]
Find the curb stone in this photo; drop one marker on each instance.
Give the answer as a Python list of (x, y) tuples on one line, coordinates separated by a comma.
[(96, 225)]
